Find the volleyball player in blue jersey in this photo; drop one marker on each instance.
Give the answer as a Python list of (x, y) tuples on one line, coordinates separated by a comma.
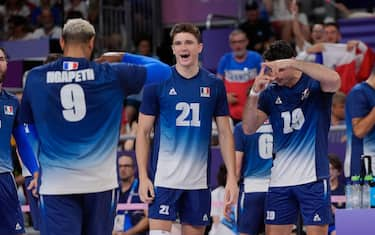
[(11, 221), (181, 110), (254, 162), (75, 106), (296, 97)]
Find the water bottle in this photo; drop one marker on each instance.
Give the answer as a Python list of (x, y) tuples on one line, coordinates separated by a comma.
[(356, 192), (366, 192), (372, 193), (348, 194), (366, 187)]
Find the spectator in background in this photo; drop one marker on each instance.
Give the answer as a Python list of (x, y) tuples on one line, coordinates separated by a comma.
[(238, 70), (48, 28), (19, 28), (338, 109), (302, 33), (129, 222), (280, 17), (144, 46), (129, 124), (337, 187), (258, 31), (76, 5), (37, 12)]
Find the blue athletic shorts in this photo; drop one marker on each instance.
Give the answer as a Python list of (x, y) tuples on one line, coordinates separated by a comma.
[(77, 214), (250, 211), (312, 199), (190, 206), (11, 219), (33, 203)]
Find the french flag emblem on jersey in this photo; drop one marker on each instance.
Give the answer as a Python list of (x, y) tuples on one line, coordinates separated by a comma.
[(205, 92), (70, 65), (8, 110)]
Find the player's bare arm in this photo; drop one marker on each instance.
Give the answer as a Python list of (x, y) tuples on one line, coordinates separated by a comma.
[(227, 149), (253, 118), (329, 79), (146, 188), (362, 126)]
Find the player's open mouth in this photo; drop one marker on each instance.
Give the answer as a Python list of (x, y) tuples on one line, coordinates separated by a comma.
[(185, 56)]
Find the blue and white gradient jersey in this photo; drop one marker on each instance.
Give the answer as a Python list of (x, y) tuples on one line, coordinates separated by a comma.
[(257, 159), (183, 109), (300, 118), (8, 121), (359, 103), (76, 105)]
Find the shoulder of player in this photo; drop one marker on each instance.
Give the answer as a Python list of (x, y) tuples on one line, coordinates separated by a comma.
[(10, 96)]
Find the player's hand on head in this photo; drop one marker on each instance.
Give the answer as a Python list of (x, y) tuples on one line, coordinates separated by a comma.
[(110, 57), (263, 78), (146, 191)]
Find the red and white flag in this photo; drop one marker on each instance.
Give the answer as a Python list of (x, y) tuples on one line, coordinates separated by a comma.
[(352, 66)]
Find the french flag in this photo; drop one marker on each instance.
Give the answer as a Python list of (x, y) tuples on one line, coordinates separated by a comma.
[(70, 65), (352, 66)]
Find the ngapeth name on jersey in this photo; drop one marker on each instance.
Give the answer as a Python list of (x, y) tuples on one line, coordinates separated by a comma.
[(70, 76)]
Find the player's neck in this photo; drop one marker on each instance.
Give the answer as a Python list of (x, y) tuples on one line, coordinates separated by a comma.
[(187, 71), (295, 78), (76, 51)]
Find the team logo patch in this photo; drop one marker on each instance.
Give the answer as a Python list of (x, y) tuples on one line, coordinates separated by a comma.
[(70, 65), (317, 218), (8, 110), (205, 92), (305, 94), (278, 100), (172, 91)]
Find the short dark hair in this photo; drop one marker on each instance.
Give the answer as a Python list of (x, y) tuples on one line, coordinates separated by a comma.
[(186, 28), (334, 24), (251, 6), (5, 52), (335, 161), (279, 50)]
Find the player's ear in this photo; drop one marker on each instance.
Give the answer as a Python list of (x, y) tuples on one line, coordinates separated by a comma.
[(62, 43)]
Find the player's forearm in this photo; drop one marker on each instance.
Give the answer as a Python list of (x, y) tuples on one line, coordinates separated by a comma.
[(156, 70), (239, 157), (362, 126), (25, 150), (142, 152), (227, 150), (329, 79), (249, 116)]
